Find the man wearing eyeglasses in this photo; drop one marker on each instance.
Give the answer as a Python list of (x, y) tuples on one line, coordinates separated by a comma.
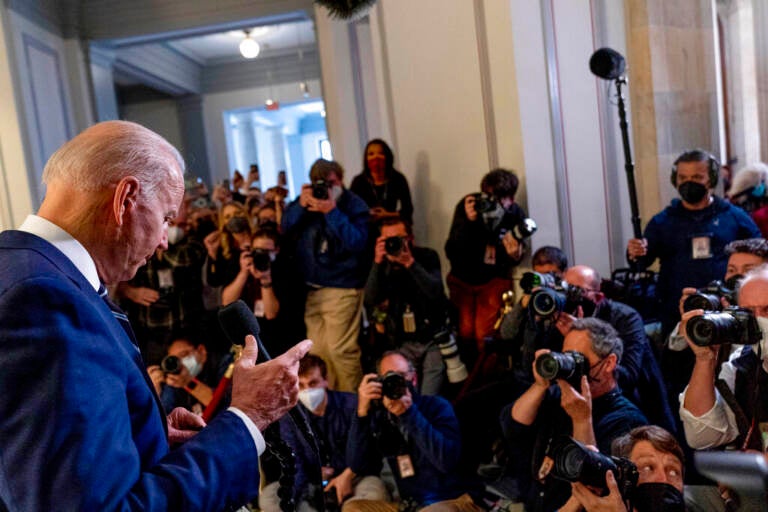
[(596, 413), (638, 372)]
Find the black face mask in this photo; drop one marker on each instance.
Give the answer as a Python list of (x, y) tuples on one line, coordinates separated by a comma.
[(657, 497), (692, 192)]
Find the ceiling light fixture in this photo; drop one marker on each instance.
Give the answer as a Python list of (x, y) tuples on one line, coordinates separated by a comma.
[(249, 48)]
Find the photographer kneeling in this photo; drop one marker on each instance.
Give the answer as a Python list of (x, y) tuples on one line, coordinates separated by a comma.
[(417, 434), (658, 462)]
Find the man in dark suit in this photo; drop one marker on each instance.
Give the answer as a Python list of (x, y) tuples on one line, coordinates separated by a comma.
[(80, 424)]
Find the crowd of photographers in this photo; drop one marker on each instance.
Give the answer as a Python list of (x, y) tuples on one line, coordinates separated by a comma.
[(557, 398)]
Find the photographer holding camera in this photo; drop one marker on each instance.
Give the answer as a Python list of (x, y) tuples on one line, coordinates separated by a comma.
[(187, 375), (483, 246), (658, 459), (329, 226), (417, 434), (582, 399), (729, 408), (406, 302)]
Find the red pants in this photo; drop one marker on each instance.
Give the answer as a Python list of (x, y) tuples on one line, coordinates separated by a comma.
[(478, 306)]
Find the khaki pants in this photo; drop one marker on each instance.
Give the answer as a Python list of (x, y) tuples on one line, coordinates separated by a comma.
[(463, 503), (332, 316)]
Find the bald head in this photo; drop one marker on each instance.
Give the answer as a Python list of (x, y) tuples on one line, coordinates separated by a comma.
[(583, 276), (106, 152)]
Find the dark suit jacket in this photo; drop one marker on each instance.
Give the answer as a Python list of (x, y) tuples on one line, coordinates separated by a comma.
[(80, 428)]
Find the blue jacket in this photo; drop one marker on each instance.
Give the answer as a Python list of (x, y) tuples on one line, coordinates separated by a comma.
[(670, 234), (80, 425), (330, 248), (428, 431)]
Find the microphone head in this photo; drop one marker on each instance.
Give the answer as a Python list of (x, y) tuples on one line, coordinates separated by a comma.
[(607, 63), (237, 321)]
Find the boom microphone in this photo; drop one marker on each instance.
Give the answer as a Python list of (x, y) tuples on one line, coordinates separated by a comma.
[(237, 321), (607, 63)]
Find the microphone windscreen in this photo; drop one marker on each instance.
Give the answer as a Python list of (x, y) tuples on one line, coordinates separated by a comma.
[(237, 321), (607, 63)]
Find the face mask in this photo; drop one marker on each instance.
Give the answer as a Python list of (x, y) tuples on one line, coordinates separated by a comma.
[(192, 365), (335, 192), (692, 192), (311, 398), (657, 497), (175, 233)]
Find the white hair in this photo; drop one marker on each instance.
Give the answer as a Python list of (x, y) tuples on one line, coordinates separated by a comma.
[(106, 152)]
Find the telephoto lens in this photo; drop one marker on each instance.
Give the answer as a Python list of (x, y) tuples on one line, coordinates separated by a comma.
[(732, 325), (569, 365), (454, 368), (171, 364), (524, 229), (546, 302), (575, 462), (703, 301)]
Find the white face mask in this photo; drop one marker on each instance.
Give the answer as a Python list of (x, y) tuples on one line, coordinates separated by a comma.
[(175, 233), (335, 192), (192, 365), (311, 398)]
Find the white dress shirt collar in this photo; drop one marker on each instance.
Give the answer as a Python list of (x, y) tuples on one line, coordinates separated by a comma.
[(64, 242)]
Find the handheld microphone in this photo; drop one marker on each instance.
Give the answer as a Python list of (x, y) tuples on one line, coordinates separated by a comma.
[(607, 64), (237, 321)]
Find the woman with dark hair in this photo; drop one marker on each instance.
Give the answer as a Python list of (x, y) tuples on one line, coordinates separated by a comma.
[(383, 188)]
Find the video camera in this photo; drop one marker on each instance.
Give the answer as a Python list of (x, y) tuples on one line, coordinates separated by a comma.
[(393, 385), (569, 366), (574, 462), (731, 325), (708, 298)]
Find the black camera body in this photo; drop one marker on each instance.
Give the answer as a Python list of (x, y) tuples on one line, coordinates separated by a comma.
[(320, 189), (531, 280), (261, 259), (393, 385), (731, 325), (393, 245), (708, 298), (574, 462), (569, 366), (484, 203), (171, 364)]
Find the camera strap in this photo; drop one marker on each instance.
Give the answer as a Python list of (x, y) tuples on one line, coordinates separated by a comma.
[(743, 424)]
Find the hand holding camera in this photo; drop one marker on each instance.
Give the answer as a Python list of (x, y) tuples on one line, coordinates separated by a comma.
[(394, 249), (316, 197), (584, 497), (369, 390)]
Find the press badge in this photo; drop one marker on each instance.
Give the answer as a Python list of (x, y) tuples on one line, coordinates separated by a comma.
[(701, 247), (258, 309), (490, 255), (405, 466), (165, 278)]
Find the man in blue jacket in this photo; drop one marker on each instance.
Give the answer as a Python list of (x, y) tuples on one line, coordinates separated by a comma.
[(329, 225), (418, 434), (80, 423), (689, 236)]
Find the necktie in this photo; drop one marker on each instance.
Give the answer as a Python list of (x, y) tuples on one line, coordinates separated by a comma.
[(122, 319)]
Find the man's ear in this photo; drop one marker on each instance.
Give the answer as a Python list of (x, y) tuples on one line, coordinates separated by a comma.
[(124, 198), (611, 362)]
